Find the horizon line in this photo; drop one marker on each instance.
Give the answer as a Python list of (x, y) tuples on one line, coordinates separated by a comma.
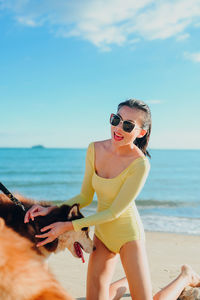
[(31, 147)]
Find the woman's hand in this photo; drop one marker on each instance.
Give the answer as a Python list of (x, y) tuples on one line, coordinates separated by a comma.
[(55, 229), (37, 210)]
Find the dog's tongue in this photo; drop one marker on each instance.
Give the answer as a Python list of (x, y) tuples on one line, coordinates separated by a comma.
[(79, 251)]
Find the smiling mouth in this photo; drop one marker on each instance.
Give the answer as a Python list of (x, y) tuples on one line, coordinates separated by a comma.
[(118, 137), (78, 250)]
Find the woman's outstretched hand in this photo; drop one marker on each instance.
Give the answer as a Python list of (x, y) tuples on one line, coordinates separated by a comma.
[(35, 211), (55, 229)]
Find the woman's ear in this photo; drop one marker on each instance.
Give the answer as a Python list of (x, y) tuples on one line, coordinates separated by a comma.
[(142, 133)]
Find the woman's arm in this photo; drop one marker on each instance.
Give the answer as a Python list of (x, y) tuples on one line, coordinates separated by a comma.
[(84, 198), (87, 192), (127, 194)]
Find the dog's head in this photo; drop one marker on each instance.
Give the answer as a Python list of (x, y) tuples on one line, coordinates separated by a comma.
[(72, 240), (14, 218)]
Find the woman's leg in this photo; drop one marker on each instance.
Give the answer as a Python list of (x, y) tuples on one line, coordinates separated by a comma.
[(100, 271), (171, 292), (118, 289), (135, 264)]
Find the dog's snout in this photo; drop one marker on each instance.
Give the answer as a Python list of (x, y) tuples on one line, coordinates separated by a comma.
[(94, 248)]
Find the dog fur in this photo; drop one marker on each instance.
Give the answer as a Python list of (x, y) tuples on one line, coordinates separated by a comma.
[(23, 272), (14, 218)]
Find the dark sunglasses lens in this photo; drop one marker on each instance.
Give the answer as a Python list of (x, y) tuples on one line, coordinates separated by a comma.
[(114, 120), (128, 126)]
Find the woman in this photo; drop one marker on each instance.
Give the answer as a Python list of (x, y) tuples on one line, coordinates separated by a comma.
[(116, 169), (172, 291)]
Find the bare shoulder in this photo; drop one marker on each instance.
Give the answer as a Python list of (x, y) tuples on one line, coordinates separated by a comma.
[(144, 162), (138, 153), (102, 145), (104, 148)]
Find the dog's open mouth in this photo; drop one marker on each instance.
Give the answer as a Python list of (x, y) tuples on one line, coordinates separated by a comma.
[(79, 251)]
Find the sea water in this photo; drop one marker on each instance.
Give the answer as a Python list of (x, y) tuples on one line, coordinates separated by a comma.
[(169, 200)]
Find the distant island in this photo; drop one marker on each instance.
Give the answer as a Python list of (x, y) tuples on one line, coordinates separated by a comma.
[(38, 147)]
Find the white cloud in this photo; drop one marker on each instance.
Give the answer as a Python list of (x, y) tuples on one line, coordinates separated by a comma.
[(182, 37), (195, 57), (105, 23), (134, 41), (27, 21), (167, 18)]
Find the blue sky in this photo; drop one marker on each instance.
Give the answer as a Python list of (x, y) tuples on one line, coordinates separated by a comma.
[(65, 66)]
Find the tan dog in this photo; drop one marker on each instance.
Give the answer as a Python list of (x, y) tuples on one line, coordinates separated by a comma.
[(74, 241), (23, 272)]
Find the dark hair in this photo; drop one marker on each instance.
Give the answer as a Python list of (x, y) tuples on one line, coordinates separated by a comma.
[(141, 143)]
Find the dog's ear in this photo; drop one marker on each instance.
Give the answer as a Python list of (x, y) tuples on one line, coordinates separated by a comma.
[(74, 211), (2, 224)]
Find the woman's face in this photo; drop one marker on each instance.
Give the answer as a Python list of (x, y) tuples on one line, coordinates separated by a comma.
[(119, 136)]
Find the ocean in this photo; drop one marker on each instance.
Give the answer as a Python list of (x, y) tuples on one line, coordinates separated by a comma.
[(169, 201)]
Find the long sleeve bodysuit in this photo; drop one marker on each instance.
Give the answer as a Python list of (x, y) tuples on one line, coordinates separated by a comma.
[(117, 220)]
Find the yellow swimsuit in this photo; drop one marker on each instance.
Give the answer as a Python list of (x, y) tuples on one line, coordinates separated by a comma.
[(117, 220)]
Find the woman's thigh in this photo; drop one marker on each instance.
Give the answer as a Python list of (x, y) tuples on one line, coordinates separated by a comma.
[(100, 271), (135, 263)]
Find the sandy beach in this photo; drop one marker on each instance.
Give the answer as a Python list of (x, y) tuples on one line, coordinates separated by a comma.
[(166, 253)]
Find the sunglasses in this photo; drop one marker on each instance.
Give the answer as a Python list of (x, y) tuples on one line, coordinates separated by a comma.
[(127, 126)]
